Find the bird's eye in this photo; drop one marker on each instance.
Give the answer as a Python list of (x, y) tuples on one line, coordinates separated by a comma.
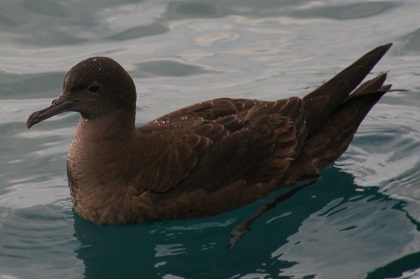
[(94, 87)]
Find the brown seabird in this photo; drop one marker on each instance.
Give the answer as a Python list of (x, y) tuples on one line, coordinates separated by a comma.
[(204, 159)]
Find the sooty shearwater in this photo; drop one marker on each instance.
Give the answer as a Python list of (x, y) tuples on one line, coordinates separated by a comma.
[(204, 159)]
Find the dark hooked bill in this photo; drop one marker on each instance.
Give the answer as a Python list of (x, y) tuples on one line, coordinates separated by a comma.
[(59, 105)]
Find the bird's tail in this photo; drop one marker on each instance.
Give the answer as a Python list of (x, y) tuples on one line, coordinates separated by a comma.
[(321, 102), (333, 136)]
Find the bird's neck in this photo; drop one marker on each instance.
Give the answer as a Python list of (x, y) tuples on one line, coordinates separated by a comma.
[(115, 126), (97, 165), (102, 141)]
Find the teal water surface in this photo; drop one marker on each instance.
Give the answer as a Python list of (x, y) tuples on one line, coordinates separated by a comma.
[(360, 220)]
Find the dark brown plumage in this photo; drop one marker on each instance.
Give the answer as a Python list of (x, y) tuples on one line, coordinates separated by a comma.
[(204, 159)]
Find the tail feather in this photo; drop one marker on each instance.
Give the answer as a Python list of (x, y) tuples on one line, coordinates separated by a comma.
[(333, 137), (321, 102), (371, 86)]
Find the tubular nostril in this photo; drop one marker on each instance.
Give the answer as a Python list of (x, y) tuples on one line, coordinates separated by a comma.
[(54, 102)]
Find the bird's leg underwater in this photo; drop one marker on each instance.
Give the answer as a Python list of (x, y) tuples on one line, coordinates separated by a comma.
[(238, 232)]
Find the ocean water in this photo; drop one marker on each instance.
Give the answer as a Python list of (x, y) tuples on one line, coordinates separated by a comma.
[(360, 220)]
